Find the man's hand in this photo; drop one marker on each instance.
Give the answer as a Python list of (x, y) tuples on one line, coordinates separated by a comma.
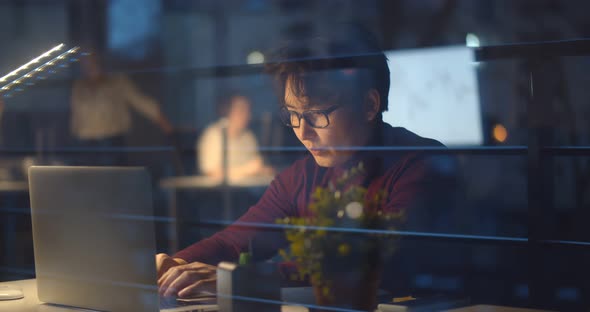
[(165, 262), (164, 124), (188, 280)]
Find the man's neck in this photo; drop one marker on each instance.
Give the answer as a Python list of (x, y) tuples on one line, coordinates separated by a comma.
[(372, 136), (233, 132)]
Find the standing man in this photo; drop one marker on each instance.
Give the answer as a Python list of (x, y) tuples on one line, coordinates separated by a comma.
[(333, 91), (101, 105), (1, 109), (1, 112)]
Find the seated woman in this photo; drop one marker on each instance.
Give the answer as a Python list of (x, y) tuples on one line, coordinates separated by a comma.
[(243, 157)]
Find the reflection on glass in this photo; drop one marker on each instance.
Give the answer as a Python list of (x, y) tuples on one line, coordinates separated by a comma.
[(228, 147)]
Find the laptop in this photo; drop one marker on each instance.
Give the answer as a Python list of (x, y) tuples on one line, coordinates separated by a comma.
[(94, 241)]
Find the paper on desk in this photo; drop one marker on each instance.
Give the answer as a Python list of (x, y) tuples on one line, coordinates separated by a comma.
[(292, 308)]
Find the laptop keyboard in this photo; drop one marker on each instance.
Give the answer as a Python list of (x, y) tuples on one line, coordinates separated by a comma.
[(170, 304)]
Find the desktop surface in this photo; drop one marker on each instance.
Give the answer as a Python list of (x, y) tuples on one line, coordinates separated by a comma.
[(30, 303), (204, 182)]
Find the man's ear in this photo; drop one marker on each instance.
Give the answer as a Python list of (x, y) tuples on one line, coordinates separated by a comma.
[(372, 105)]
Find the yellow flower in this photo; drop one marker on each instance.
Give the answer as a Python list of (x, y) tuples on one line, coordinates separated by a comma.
[(297, 248)]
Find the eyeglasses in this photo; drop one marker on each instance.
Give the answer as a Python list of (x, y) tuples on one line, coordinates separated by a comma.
[(316, 118)]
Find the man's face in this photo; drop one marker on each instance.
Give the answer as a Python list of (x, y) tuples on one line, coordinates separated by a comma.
[(239, 112), (90, 66), (347, 129)]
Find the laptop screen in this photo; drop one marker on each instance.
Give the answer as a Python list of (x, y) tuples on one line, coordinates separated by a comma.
[(93, 237)]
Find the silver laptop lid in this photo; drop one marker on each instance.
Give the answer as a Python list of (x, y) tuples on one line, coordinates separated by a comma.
[(93, 237)]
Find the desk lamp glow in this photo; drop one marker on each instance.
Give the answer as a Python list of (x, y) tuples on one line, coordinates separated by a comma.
[(32, 70)]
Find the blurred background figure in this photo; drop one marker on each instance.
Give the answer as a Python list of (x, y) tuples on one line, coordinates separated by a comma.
[(243, 157), (1, 111), (101, 105)]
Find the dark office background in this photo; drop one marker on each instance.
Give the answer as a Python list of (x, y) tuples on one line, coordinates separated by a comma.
[(521, 236)]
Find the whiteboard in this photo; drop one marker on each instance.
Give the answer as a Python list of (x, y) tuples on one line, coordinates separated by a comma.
[(434, 93)]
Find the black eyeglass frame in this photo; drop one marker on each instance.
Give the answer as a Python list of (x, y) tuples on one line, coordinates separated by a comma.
[(326, 112)]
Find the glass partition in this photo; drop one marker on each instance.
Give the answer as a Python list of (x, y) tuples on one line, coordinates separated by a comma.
[(190, 90)]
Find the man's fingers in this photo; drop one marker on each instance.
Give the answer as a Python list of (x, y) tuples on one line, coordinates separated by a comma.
[(203, 270), (163, 264), (171, 273), (166, 279), (198, 287), (178, 278), (167, 287), (165, 276), (185, 279)]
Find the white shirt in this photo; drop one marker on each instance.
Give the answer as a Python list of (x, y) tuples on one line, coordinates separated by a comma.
[(102, 110), (240, 151)]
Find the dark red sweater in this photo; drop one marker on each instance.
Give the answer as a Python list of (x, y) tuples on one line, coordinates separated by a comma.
[(409, 177)]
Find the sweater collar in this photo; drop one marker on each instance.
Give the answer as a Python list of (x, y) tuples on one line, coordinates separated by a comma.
[(366, 153)]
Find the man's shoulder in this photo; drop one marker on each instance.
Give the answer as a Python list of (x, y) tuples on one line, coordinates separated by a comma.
[(210, 135), (400, 136), (215, 128), (248, 136), (441, 167), (415, 157)]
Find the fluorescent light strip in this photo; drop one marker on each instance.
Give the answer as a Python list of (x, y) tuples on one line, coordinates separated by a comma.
[(39, 69), (33, 61)]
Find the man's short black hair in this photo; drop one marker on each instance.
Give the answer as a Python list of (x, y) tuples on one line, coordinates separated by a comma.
[(340, 64)]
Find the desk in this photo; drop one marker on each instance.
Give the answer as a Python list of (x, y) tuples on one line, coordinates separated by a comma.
[(205, 182), (30, 303), (200, 183), (493, 308)]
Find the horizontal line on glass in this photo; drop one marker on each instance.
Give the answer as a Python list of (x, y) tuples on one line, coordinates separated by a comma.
[(369, 231), (113, 216), (508, 149), (277, 302), (533, 50), (229, 70), (91, 150), (485, 150), (414, 234), (566, 242), (329, 229)]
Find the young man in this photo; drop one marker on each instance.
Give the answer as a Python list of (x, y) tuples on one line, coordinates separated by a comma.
[(333, 91), (243, 158)]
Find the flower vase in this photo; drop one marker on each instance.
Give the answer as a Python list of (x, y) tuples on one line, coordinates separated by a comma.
[(352, 290)]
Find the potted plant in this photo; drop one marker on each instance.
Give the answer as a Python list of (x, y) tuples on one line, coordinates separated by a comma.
[(341, 247)]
